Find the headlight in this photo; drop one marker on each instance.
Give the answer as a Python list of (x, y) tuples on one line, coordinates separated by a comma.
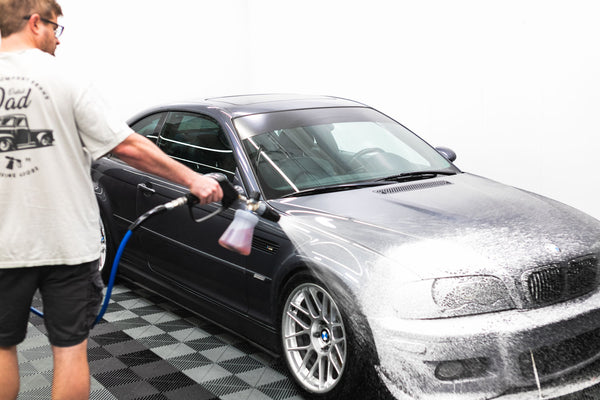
[(452, 297)]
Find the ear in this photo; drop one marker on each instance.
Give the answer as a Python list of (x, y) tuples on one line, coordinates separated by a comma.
[(34, 24)]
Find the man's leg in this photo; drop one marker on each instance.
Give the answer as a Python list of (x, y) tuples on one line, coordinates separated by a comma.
[(71, 379), (71, 295), (17, 286), (9, 373)]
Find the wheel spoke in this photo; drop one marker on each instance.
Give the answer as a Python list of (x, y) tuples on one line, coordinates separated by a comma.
[(323, 371), (305, 360), (300, 308), (338, 368), (337, 341), (300, 348), (298, 320), (326, 312), (312, 302), (312, 369), (297, 333)]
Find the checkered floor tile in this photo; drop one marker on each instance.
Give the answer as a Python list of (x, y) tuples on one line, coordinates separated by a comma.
[(147, 348)]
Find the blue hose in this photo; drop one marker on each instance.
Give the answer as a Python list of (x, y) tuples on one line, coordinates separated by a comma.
[(111, 281), (188, 199), (113, 274), (180, 201), (36, 312)]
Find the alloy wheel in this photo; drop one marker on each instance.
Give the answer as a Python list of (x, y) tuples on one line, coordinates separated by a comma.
[(314, 338)]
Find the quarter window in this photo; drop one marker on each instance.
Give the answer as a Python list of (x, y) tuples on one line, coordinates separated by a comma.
[(148, 126)]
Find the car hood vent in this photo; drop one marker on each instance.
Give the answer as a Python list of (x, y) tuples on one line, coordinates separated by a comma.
[(413, 186), (264, 245)]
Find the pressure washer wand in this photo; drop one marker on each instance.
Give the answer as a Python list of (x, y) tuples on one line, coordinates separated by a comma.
[(180, 201), (230, 196)]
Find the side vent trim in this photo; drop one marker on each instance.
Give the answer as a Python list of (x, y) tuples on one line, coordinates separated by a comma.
[(267, 246)]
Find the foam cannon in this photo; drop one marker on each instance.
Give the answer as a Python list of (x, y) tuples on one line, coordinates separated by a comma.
[(238, 235)]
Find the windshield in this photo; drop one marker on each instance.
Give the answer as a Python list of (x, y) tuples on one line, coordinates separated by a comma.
[(293, 151)]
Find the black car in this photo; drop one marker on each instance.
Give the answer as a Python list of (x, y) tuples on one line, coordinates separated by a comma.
[(388, 265)]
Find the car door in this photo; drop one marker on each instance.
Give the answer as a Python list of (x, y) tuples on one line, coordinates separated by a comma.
[(185, 253), (114, 179), (22, 133)]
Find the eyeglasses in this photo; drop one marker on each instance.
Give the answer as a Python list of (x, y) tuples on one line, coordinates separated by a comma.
[(58, 29)]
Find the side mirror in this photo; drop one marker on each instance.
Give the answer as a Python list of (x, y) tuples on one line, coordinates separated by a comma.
[(449, 154)]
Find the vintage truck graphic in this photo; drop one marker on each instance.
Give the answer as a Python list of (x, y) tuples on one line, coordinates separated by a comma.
[(15, 134)]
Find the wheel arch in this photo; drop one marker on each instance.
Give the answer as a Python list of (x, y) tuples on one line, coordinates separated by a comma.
[(357, 326), (104, 216), (40, 136)]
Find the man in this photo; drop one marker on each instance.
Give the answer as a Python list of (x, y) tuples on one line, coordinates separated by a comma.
[(51, 128)]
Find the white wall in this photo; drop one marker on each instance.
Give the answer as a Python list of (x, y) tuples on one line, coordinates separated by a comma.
[(512, 86)]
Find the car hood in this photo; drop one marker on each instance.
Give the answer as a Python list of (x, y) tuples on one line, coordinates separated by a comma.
[(451, 225)]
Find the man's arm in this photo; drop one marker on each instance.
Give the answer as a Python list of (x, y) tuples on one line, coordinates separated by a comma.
[(141, 153)]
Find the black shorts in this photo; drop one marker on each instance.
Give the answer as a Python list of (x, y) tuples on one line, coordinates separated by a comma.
[(71, 296)]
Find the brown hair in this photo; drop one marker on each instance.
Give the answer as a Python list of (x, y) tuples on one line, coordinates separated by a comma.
[(12, 13)]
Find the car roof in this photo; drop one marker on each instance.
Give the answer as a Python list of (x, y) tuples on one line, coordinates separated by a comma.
[(237, 106)]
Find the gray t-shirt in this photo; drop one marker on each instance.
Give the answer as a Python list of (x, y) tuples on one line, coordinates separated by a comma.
[(52, 126)]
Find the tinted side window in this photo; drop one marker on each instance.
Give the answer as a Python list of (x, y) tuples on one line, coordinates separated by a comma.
[(148, 126), (198, 141)]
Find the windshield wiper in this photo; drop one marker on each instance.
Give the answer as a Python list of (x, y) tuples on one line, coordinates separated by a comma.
[(334, 188), (406, 176)]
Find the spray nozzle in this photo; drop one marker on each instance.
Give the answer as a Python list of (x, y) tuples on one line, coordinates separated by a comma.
[(252, 203)]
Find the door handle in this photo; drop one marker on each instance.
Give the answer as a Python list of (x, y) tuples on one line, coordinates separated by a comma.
[(147, 190)]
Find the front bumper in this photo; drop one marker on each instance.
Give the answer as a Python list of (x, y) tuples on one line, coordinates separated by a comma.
[(493, 355)]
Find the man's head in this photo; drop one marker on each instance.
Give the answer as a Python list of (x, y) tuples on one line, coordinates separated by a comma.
[(36, 20)]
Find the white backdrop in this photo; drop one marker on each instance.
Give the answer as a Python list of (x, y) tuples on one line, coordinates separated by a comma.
[(511, 85)]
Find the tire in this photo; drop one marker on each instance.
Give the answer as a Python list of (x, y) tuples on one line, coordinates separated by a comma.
[(6, 144), (45, 140), (327, 346), (107, 254)]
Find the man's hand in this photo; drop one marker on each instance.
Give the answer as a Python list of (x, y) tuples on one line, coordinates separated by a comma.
[(206, 189)]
